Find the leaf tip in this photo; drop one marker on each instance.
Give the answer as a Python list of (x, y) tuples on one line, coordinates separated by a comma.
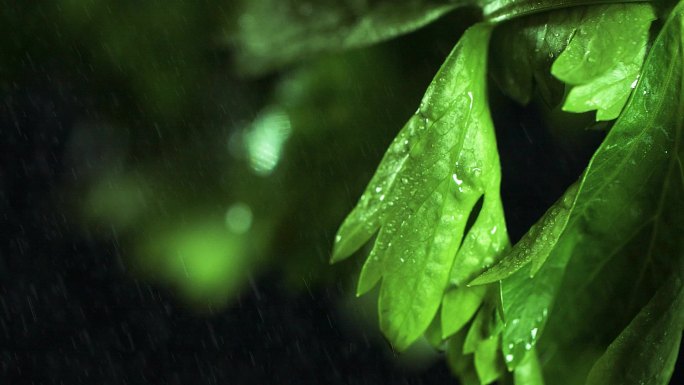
[(364, 287), (483, 279), (341, 250)]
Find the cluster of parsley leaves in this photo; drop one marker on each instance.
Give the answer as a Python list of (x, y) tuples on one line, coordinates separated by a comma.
[(594, 292)]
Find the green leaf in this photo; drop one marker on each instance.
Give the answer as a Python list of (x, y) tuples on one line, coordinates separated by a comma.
[(484, 340), (365, 218), (602, 62), (271, 33), (433, 334), (488, 362), (523, 51), (438, 188), (442, 162), (477, 331), (485, 325), (529, 372), (632, 237), (596, 255), (646, 351), (632, 189), (487, 239), (460, 364), (459, 306), (503, 10), (526, 302), (536, 245)]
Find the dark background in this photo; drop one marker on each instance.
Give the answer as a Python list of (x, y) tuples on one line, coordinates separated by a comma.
[(72, 308)]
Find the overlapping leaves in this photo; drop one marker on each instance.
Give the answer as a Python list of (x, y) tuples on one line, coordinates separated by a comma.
[(601, 61), (622, 196), (586, 47), (437, 169), (599, 255), (524, 49)]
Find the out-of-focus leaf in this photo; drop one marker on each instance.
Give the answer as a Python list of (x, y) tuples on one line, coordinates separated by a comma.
[(433, 334), (485, 325), (462, 365), (458, 307), (602, 62), (488, 362), (646, 351), (529, 371), (427, 185), (483, 340), (272, 33), (476, 333)]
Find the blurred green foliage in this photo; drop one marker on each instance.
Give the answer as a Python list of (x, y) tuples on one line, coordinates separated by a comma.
[(209, 179)]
